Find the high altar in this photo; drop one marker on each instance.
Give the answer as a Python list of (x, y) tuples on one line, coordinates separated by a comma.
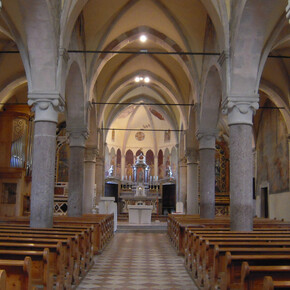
[(142, 190)]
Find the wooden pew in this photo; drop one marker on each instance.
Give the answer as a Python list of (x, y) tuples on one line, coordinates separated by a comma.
[(84, 244), (18, 273), (211, 274), (40, 275), (252, 277), (2, 280), (55, 257), (205, 254), (230, 277), (270, 284)]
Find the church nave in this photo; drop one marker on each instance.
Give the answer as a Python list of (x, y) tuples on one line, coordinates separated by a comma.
[(138, 261)]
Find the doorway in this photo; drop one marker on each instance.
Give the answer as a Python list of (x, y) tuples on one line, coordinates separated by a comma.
[(264, 202)]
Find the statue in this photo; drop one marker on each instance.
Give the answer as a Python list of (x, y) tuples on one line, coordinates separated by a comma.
[(111, 171)]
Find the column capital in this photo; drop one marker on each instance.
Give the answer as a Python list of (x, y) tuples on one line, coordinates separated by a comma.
[(191, 155), (64, 54), (182, 162), (77, 138), (240, 110), (288, 11), (207, 138), (46, 106), (90, 155), (223, 57)]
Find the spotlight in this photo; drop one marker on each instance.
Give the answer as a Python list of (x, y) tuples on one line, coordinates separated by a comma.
[(137, 79), (146, 79), (143, 38)]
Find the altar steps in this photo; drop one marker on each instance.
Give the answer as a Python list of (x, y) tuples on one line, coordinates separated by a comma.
[(155, 227), (124, 217)]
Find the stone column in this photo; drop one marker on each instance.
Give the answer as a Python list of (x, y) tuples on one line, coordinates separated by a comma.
[(156, 166), (192, 182), (89, 184), (76, 173), (100, 178), (122, 166), (183, 181), (207, 172), (43, 167), (240, 112), (288, 10)]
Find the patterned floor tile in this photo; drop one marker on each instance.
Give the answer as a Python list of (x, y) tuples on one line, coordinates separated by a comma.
[(138, 261)]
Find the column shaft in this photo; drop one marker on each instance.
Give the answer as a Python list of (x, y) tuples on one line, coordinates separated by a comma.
[(122, 167), (183, 183), (192, 188), (76, 181), (100, 178), (241, 177), (155, 166), (89, 186), (207, 183), (42, 188)]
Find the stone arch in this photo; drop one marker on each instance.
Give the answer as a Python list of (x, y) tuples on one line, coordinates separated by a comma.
[(75, 104), (211, 99), (247, 43)]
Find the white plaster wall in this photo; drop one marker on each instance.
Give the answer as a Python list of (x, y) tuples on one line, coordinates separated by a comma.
[(279, 205)]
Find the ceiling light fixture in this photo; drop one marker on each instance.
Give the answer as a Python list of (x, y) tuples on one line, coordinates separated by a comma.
[(143, 38), (142, 79)]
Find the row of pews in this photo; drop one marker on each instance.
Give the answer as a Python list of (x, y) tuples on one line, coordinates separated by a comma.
[(51, 258), (218, 258)]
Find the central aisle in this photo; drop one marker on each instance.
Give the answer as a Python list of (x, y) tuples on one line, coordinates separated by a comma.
[(138, 261)]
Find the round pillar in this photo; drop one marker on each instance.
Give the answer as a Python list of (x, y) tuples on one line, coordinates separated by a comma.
[(76, 173), (43, 167), (207, 172), (192, 182), (240, 112), (89, 177), (100, 178)]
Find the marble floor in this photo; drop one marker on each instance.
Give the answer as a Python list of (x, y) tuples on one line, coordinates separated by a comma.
[(138, 261)]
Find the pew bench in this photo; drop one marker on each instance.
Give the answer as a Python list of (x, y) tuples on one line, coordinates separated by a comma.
[(18, 274), (2, 280), (56, 266), (270, 284), (252, 276), (40, 275), (230, 277)]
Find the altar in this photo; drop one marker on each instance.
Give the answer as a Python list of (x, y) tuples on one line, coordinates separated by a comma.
[(140, 214), (141, 190)]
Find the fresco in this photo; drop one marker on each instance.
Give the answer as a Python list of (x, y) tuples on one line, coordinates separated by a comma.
[(139, 136), (125, 113), (156, 114), (272, 151), (221, 168), (63, 158), (167, 136)]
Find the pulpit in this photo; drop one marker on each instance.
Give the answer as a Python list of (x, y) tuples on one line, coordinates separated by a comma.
[(140, 214)]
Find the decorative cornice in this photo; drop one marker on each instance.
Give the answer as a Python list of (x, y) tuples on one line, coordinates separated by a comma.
[(240, 110), (46, 108), (207, 138)]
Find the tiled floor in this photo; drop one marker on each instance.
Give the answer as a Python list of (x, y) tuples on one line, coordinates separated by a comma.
[(138, 261)]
